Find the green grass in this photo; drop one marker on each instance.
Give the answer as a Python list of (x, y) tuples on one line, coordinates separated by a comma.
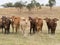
[(36, 39)]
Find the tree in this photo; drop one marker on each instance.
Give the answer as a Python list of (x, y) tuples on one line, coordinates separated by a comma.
[(33, 2), (33, 5), (42, 4), (19, 5), (7, 5), (38, 5), (29, 6), (52, 3), (47, 5)]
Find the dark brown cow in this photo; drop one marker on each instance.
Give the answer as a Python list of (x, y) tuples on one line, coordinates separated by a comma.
[(51, 24), (6, 24), (32, 24), (15, 22)]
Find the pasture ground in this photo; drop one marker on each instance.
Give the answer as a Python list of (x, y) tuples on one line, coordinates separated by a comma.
[(37, 39)]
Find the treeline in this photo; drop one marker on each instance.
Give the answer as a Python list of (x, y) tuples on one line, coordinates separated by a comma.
[(29, 6)]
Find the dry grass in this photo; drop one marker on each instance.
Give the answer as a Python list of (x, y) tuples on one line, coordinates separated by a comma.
[(44, 12), (37, 39)]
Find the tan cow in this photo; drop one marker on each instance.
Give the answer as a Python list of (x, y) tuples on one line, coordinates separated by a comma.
[(15, 22), (25, 26)]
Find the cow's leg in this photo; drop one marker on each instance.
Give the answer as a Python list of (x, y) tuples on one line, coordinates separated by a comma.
[(5, 30), (2, 29), (18, 26), (38, 28), (16, 29), (23, 31), (34, 29), (49, 30), (30, 30), (41, 27), (8, 30), (53, 31), (13, 28)]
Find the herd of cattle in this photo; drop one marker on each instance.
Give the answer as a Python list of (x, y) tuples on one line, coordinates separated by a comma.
[(35, 24)]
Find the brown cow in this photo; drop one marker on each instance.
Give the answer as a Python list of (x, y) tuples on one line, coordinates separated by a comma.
[(15, 22), (51, 24), (39, 24)]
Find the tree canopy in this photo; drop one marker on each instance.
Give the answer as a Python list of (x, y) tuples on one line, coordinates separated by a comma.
[(52, 3), (8, 5)]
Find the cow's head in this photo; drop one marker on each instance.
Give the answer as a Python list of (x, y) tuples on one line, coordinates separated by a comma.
[(47, 19), (55, 19), (30, 18)]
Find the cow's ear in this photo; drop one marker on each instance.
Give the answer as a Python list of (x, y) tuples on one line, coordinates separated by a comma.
[(55, 19), (46, 18)]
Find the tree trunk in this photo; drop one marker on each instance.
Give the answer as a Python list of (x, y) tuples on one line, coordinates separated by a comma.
[(50, 8)]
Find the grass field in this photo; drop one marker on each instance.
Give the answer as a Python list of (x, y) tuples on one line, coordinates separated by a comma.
[(37, 39)]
